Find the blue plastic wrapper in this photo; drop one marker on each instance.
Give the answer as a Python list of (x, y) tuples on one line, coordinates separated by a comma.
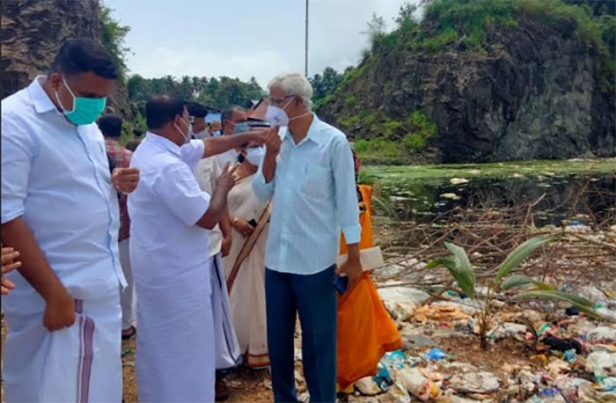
[(383, 376), (436, 354), (394, 359), (549, 392), (570, 356)]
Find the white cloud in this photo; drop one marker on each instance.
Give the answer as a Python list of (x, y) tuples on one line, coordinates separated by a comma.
[(277, 44), (192, 61)]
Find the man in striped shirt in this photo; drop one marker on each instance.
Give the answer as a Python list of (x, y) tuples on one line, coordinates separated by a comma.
[(308, 172), (111, 127)]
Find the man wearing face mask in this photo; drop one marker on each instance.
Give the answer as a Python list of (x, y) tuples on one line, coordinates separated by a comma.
[(197, 116), (307, 168), (215, 128), (60, 210), (233, 120), (170, 217)]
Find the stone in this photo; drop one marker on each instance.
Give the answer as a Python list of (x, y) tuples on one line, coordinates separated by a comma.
[(538, 96), (32, 32), (593, 294), (601, 361), (401, 302), (367, 387), (475, 382), (602, 334), (509, 330)]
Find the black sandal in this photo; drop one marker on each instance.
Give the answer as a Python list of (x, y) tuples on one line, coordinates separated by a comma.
[(131, 334)]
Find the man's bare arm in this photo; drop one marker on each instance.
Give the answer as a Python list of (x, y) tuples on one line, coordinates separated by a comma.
[(220, 144), (218, 202), (216, 209), (34, 267)]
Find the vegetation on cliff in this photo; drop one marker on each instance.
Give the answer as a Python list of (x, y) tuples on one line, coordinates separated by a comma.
[(469, 29)]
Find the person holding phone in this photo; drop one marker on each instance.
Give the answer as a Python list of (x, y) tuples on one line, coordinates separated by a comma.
[(308, 173)]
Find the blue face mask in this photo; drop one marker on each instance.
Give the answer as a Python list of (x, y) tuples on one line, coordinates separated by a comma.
[(241, 128), (85, 110)]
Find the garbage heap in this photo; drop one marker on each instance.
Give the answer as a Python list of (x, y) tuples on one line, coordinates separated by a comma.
[(539, 351)]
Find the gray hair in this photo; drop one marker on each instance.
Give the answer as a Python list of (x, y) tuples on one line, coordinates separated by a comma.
[(294, 84), (227, 113)]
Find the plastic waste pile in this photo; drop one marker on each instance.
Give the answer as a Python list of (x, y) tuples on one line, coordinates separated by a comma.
[(562, 356)]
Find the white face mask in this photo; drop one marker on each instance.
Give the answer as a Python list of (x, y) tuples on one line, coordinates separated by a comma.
[(188, 134), (276, 116), (255, 155)]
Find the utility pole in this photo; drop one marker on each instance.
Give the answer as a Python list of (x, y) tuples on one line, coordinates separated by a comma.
[(306, 47)]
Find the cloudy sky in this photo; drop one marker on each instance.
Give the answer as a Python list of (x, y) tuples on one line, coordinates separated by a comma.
[(244, 38)]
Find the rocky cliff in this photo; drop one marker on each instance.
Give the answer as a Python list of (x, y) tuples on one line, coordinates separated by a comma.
[(532, 93), (33, 30)]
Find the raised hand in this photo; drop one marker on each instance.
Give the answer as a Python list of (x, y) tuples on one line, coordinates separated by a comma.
[(272, 141), (125, 179), (226, 180)]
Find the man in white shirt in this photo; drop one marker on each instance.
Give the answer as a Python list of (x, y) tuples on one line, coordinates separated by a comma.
[(228, 353), (170, 216), (60, 211)]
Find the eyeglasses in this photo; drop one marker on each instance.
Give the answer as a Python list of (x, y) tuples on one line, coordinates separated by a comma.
[(277, 101)]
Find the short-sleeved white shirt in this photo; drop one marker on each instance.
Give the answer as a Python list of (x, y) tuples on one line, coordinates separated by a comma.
[(167, 204)]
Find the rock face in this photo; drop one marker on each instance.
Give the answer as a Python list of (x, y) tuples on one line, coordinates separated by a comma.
[(32, 32), (535, 96)]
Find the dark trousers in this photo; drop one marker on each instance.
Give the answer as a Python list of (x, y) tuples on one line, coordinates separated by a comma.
[(314, 298)]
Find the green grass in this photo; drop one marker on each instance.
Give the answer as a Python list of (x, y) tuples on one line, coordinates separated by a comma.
[(378, 150), (535, 169)]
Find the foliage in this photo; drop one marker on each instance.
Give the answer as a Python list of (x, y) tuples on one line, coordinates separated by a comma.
[(459, 266), (421, 129), (376, 29), (213, 92), (324, 85), (385, 150), (113, 37)]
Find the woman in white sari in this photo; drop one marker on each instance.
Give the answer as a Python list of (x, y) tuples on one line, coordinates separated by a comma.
[(245, 265)]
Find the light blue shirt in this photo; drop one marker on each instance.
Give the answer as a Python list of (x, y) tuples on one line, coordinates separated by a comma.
[(55, 176), (313, 196)]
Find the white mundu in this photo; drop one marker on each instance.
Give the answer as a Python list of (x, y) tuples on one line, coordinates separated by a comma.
[(175, 344), (228, 354), (55, 177)]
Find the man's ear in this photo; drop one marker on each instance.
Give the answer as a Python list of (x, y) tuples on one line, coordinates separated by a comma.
[(55, 79)]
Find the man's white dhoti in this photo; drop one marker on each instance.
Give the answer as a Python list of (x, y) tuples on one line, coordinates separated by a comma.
[(228, 354), (78, 364), (175, 345)]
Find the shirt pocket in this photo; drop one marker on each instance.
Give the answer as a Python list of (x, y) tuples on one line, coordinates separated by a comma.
[(317, 181)]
